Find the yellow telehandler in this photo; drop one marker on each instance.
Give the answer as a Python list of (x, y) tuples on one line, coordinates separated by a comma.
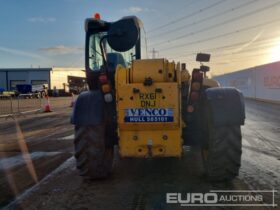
[(150, 107)]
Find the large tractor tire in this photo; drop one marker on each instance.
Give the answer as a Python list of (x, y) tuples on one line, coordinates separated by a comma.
[(222, 153), (94, 159)]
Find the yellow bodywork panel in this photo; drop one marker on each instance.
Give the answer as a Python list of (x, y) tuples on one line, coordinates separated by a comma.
[(160, 70), (150, 143), (149, 120)]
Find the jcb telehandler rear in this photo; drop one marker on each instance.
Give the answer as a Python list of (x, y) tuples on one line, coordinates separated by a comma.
[(150, 107)]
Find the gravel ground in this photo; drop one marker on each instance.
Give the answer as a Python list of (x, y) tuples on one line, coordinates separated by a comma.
[(138, 184), (30, 147), (260, 167)]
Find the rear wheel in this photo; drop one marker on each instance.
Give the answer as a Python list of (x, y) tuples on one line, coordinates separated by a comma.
[(222, 154), (94, 160)]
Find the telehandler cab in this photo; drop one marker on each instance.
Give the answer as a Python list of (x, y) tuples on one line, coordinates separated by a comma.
[(150, 107)]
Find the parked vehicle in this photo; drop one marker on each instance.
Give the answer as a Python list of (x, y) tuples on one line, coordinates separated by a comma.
[(41, 90), (31, 91)]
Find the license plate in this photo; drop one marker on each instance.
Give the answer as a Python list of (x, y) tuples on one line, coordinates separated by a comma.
[(148, 100)]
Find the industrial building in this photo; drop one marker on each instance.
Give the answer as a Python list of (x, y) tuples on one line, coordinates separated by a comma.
[(259, 82), (61, 79)]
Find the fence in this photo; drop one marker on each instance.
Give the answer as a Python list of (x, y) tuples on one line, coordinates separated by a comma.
[(15, 106)]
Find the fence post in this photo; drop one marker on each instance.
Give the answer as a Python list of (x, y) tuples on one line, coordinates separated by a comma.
[(18, 104), (11, 102)]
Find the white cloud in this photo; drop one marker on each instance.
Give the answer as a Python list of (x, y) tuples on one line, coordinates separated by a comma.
[(136, 9), (41, 19), (20, 52), (62, 50)]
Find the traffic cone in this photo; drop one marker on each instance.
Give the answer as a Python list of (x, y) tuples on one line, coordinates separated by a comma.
[(47, 107), (72, 100)]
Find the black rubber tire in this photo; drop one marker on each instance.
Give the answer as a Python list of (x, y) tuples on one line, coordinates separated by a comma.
[(223, 158), (94, 160)]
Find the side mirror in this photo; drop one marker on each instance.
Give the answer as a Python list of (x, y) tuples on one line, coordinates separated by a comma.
[(124, 34), (202, 57), (204, 68)]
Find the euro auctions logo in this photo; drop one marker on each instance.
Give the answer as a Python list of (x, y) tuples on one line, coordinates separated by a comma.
[(192, 198), (224, 198)]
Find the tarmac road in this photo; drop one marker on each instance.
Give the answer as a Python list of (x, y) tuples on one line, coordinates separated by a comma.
[(261, 146), (30, 147), (143, 184)]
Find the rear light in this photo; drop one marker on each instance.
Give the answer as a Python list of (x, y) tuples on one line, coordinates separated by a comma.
[(190, 108), (106, 88), (108, 97), (195, 89), (103, 79)]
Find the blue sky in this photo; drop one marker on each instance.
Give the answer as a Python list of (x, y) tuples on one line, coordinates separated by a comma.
[(51, 33)]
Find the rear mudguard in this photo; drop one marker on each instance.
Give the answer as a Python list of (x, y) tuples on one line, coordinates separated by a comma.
[(226, 106), (88, 109)]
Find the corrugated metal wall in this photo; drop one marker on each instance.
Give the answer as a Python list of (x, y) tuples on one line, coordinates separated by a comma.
[(261, 82), (3, 80), (23, 76)]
